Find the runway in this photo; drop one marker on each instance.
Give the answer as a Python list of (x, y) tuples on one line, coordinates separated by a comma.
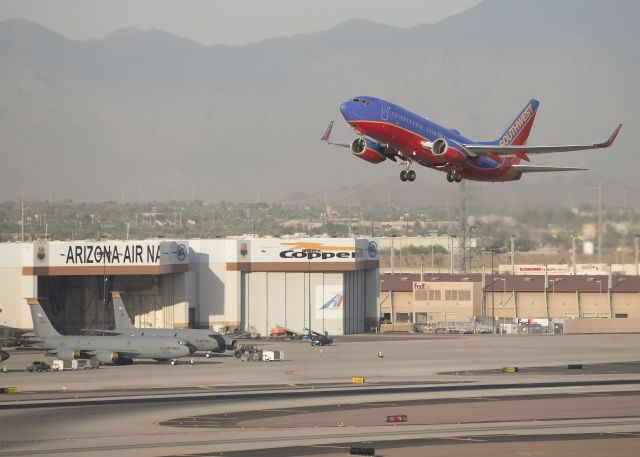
[(272, 422), (543, 409)]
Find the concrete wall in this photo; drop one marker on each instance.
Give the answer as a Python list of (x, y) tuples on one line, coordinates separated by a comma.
[(563, 304), (625, 303), (601, 326), (212, 290), (14, 287), (457, 301)]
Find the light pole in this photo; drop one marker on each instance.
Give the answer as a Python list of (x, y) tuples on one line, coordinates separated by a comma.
[(504, 291), (310, 254), (635, 242)]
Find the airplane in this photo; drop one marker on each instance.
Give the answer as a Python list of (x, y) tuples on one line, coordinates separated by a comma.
[(105, 349), (202, 340), (388, 131)]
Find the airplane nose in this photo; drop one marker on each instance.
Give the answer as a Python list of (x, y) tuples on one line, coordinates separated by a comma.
[(346, 110)]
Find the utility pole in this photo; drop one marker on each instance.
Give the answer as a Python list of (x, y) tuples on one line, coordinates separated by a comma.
[(599, 223), (22, 215), (635, 242), (573, 253), (513, 254), (464, 241)]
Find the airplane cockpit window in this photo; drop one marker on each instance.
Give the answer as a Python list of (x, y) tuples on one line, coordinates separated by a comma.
[(362, 102)]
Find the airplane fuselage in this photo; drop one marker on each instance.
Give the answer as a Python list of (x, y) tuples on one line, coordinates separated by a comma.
[(407, 133), (73, 346), (202, 340)]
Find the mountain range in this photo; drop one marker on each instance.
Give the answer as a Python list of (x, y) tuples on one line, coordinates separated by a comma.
[(145, 115)]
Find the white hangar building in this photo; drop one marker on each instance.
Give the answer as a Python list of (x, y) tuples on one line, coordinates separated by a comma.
[(326, 284)]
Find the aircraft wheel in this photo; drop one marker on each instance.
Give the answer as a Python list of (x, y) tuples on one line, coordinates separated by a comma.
[(208, 354), (450, 176), (403, 175), (411, 175), (458, 177)]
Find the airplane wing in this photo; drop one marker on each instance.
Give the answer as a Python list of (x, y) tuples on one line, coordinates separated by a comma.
[(327, 137), (522, 151), (99, 332), (537, 169), (124, 353)]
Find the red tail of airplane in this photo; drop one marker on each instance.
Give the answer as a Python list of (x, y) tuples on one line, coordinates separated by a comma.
[(518, 131)]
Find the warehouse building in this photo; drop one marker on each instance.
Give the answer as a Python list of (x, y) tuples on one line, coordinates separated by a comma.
[(250, 284), (579, 302)]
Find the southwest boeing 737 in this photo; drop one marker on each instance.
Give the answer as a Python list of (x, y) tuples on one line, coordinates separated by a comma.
[(388, 131)]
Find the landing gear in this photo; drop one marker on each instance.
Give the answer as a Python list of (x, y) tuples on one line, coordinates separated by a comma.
[(450, 175), (407, 175), (454, 175), (207, 354)]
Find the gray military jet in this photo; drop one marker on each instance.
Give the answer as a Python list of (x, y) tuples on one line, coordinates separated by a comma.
[(202, 339), (105, 349)]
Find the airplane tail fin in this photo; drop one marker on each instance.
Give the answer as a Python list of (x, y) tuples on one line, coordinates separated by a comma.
[(42, 326), (121, 317), (518, 131)]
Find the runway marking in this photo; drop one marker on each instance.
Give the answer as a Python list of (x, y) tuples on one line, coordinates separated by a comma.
[(330, 447), (465, 439), (287, 410)]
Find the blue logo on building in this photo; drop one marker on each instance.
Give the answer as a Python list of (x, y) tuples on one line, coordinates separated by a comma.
[(334, 302), (181, 252), (372, 249)]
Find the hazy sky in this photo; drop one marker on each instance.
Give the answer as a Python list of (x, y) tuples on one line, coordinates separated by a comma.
[(222, 21)]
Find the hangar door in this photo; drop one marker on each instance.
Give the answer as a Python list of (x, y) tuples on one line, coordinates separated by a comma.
[(79, 302), (294, 300)]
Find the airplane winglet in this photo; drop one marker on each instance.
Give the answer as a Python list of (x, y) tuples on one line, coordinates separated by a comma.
[(612, 138), (327, 133), (326, 138)]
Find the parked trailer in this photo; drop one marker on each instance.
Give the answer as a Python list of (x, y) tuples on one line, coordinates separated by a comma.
[(77, 364)]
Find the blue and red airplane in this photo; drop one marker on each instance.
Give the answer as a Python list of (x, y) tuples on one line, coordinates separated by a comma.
[(388, 131)]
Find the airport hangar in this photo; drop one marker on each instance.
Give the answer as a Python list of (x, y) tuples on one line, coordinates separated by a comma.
[(254, 284)]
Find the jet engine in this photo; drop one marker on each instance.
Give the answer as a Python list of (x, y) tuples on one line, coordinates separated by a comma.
[(367, 150), (222, 344), (449, 151), (68, 354), (107, 357)]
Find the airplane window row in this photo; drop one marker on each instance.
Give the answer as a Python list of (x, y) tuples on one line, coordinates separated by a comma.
[(361, 101), (407, 120)]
